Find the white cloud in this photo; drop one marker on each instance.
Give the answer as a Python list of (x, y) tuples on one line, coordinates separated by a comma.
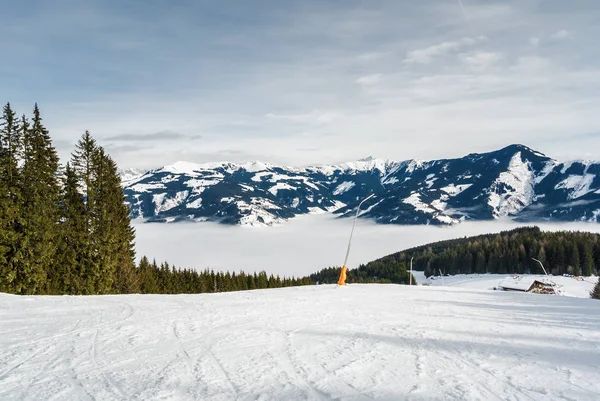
[(480, 60), (427, 54), (369, 79), (562, 34), (314, 117), (532, 64), (371, 56), (535, 41)]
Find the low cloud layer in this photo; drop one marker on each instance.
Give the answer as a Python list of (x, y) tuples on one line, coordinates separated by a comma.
[(302, 246)]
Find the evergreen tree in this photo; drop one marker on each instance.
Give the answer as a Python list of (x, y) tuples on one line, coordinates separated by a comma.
[(559, 259), (588, 259), (574, 259), (40, 208), (83, 161), (148, 277), (595, 294), (523, 260), (480, 266), (69, 274), (10, 211), (541, 256), (115, 232)]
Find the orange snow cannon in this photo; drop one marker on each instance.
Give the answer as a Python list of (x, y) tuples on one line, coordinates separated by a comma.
[(342, 280)]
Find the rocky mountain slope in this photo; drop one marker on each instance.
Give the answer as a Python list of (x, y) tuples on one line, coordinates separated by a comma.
[(514, 181)]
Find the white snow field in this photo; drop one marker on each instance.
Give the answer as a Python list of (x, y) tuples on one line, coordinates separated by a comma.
[(361, 342)]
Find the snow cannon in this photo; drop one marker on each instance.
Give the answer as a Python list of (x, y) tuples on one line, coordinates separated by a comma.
[(342, 280)]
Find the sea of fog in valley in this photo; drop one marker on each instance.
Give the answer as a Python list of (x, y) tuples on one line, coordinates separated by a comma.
[(301, 246)]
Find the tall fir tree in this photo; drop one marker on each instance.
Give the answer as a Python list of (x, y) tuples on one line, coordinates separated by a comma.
[(10, 211), (560, 259), (40, 208), (480, 266), (574, 266), (541, 256), (588, 259), (113, 234), (121, 232), (83, 161), (69, 276)]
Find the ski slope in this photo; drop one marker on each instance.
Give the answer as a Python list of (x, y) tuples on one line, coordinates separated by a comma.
[(361, 342)]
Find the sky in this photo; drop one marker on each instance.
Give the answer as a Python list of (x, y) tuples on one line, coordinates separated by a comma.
[(307, 82)]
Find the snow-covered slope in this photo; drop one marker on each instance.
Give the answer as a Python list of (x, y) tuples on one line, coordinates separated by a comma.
[(129, 175), (579, 287), (362, 342), (514, 189), (515, 181)]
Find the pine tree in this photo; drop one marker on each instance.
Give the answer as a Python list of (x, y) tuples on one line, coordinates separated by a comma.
[(126, 277), (113, 231), (595, 294), (559, 259), (148, 277), (494, 262), (541, 256), (70, 276), (40, 208), (83, 162), (522, 258), (588, 259), (573, 261), (10, 213), (480, 264)]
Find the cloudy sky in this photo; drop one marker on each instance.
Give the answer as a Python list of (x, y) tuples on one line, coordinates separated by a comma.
[(305, 82)]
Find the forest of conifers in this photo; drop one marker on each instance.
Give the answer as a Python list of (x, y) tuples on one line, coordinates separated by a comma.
[(514, 251), (66, 229)]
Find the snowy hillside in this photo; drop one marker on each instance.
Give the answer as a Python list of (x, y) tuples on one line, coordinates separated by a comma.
[(312, 343), (514, 181), (579, 287), (130, 174)]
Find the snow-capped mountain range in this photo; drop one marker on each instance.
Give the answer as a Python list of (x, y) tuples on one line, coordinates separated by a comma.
[(514, 181)]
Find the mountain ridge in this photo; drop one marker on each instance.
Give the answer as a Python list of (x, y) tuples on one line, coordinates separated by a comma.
[(514, 181)]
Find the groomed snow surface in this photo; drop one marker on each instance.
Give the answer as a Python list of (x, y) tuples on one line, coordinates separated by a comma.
[(361, 342)]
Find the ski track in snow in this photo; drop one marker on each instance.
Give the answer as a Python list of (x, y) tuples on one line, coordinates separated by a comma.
[(362, 342)]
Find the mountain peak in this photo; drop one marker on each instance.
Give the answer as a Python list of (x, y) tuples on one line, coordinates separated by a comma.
[(517, 147), (507, 152)]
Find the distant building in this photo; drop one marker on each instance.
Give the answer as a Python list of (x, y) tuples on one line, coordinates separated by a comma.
[(526, 284)]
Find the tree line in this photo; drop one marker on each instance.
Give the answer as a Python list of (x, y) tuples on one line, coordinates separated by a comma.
[(373, 272), (507, 252), (66, 229), (164, 279)]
